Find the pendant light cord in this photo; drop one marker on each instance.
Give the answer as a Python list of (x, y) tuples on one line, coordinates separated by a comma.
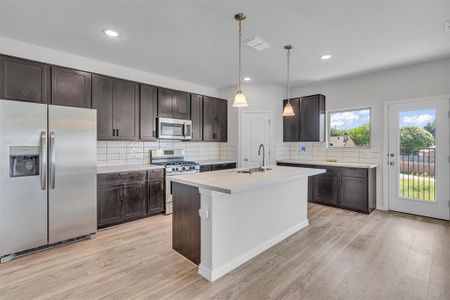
[(240, 41), (288, 63)]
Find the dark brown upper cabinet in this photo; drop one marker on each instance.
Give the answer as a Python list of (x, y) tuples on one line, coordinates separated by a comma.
[(24, 80), (71, 87), (173, 104), (291, 125), (117, 104), (197, 117), (215, 119), (312, 118), (149, 106), (308, 124)]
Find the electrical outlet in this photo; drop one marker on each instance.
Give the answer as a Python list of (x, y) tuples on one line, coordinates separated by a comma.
[(302, 149)]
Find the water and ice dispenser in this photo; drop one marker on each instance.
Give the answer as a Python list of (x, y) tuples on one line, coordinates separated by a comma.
[(23, 161)]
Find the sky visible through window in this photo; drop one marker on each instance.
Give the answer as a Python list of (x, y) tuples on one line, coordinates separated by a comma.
[(418, 118), (349, 119)]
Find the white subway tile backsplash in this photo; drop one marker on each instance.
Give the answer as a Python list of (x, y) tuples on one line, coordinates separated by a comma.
[(319, 152), (114, 153)]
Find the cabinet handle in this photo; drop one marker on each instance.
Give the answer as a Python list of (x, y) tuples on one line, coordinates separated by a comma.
[(154, 133), (114, 132), (117, 132)]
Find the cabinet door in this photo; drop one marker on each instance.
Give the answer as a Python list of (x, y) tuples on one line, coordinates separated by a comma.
[(291, 125), (24, 80), (209, 119), (225, 166), (134, 200), (312, 118), (103, 101), (127, 110), (148, 113), (221, 120), (353, 193), (325, 189), (109, 205), (165, 97), (156, 197), (197, 117), (181, 105), (71, 87)]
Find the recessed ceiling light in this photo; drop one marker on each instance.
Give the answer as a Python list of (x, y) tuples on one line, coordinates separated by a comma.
[(247, 79), (325, 57), (111, 33)]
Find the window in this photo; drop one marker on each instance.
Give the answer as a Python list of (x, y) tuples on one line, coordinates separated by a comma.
[(349, 128)]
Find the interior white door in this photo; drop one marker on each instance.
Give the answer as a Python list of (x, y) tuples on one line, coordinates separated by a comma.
[(418, 158), (255, 131)]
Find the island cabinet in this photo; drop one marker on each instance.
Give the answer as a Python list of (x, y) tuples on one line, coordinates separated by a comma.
[(344, 187), (70, 87), (24, 80), (215, 123), (197, 117), (117, 104), (127, 196), (174, 104), (308, 124), (148, 112)]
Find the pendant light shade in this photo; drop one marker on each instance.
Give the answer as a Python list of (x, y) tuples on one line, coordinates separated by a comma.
[(288, 110), (239, 99)]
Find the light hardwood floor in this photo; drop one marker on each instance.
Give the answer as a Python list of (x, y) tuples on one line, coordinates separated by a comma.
[(341, 255)]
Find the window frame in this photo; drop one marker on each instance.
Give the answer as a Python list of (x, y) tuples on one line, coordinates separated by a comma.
[(329, 112)]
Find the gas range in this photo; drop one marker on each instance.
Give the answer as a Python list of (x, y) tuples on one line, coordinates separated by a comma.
[(174, 162)]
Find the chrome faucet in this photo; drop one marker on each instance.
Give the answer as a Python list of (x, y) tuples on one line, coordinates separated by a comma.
[(263, 164)]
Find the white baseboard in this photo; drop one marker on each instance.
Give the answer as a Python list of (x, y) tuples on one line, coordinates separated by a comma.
[(212, 275)]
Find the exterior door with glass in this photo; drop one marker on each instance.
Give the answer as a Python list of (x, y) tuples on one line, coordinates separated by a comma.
[(418, 157)]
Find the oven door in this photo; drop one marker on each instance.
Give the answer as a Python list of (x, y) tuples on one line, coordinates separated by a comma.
[(174, 129)]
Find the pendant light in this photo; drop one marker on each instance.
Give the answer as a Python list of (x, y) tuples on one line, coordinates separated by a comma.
[(288, 110), (239, 99)]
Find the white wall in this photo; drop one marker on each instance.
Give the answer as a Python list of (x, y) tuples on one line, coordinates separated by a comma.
[(30, 51), (259, 98)]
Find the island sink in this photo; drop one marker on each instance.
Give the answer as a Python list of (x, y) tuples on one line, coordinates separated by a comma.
[(253, 170)]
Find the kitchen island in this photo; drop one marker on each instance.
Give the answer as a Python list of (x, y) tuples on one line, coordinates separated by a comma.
[(225, 218)]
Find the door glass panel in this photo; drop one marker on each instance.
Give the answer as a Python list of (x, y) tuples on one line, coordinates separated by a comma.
[(417, 155)]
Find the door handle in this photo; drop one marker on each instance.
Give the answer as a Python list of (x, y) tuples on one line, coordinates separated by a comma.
[(43, 154), (392, 163), (52, 158), (245, 159)]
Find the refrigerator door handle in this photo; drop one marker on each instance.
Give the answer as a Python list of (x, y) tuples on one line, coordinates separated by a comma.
[(52, 160), (43, 154)]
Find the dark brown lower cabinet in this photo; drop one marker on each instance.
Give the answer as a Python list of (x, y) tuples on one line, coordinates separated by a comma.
[(186, 221), (122, 197), (217, 167), (134, 200), (156, 197), (344, 187)]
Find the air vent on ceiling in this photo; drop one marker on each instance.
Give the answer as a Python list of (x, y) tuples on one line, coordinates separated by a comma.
[(447, 26), (256, 43)]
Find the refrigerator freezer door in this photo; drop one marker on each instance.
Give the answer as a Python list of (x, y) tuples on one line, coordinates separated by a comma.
[(72, 172), (23, 202)]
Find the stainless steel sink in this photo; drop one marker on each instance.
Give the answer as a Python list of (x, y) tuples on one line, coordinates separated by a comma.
[(254, 170)]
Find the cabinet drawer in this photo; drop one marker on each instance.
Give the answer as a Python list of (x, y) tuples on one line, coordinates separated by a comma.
[(121, 178), (205, 168), (156, 175), (353, 172)]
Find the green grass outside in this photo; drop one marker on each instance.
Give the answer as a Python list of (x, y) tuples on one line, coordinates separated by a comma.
[(417, 187)]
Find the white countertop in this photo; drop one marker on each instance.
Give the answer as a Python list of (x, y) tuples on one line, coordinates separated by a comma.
[(231, 182), (327, 163), (116, 169), (214, 162)]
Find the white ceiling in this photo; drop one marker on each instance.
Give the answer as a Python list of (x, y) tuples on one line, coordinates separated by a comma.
[(197, 40)]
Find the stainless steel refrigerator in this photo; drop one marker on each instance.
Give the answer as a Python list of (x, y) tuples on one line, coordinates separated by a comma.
[(47, 175)]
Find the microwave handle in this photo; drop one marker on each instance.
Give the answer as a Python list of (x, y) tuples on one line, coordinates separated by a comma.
[(184, 130)]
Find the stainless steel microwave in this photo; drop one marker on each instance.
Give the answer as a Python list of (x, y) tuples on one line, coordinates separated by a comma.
[(174, 129)]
